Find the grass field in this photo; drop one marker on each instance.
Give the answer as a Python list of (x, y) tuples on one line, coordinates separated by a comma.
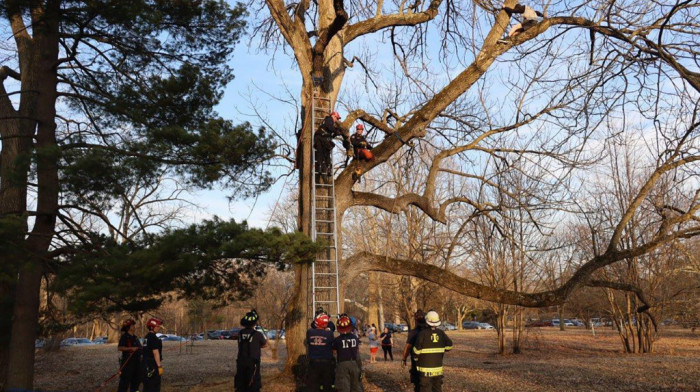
[(572, 360)]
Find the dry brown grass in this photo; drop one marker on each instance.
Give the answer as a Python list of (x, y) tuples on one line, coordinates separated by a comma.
[(572, 360)]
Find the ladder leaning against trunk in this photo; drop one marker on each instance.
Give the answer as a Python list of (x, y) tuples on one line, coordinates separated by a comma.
[(324, 283)]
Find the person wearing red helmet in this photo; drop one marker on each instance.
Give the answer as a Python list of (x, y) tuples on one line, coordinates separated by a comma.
[(348, 372), (319, 343), (152, 365), (130, 347), (323, 144), (361, 145)]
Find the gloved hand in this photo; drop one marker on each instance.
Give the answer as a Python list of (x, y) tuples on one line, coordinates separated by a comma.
[(160, 370), (350, 152)]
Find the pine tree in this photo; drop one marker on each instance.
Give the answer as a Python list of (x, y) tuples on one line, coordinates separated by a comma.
[(95, 95)]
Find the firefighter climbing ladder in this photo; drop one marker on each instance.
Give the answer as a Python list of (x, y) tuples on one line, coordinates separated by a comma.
[(324, 271)]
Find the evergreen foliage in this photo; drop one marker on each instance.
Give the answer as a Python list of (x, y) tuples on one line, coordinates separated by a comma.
[(215, 260)]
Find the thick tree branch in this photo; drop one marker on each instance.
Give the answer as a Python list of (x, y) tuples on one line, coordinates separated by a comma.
[(380, 21)]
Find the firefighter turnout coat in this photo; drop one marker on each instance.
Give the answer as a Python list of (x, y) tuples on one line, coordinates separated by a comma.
[(431, 345)]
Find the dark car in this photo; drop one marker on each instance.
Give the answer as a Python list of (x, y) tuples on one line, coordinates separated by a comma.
[(233, 333), (214, 335), (546, 323), (392, 327)]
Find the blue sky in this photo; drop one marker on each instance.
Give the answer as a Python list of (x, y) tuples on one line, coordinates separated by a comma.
[(255, 81)]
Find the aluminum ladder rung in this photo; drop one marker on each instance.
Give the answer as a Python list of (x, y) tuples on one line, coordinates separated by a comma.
[(324, 270)]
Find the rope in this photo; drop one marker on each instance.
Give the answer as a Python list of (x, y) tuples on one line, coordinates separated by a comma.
[(104, 383)]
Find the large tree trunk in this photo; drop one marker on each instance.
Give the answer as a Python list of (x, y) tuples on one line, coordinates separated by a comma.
[(40, 74), (372, 303)]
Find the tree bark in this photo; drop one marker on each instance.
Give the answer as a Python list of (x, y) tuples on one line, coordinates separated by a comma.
[(41, 78)]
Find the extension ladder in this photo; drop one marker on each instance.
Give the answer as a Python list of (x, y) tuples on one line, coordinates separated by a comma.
[(324, 283)]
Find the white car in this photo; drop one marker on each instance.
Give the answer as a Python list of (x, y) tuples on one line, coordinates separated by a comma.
[(76, 342)]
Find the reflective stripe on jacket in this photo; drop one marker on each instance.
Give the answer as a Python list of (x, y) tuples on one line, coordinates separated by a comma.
[(430, 348)]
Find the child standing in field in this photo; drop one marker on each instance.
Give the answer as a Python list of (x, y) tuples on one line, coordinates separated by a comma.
[(373, 345)]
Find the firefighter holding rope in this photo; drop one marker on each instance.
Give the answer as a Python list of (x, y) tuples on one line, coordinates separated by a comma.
[(130, 347)]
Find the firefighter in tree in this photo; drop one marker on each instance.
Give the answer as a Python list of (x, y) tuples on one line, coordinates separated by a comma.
[(323, 144)]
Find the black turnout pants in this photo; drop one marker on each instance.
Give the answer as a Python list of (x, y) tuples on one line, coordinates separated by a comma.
[(248, 377), (150, 377), (129, 379), (430, 384), (321, 375), (415, 377)]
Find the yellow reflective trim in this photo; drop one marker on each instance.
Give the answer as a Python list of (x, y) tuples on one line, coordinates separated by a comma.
[(433, 371), (448, 348), (438, 350), (415, 350)]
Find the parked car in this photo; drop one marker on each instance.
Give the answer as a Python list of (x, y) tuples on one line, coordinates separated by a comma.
[(274, 333), (217, 334), (544, 323), (234, 332), (196, 336), (476, 325), (76, 342), (470, 325), (578, 323), (403, 328), (39, 343), (100, 340), (392, 327), (447, 327), (172, 338)]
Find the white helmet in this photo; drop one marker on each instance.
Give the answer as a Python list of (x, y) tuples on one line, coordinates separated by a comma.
[(432, 318)]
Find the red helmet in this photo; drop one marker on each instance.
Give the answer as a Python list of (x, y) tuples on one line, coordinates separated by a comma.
[(335, 114), (360, 127), (344, 324), (154, 322), (322, 321)]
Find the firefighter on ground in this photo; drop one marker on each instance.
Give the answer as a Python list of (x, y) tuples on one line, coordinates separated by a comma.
[(152, 364), (319, 343), (130, 347), (419, 318), (348, 371), (431, 345), (323, 143), (330, 326), (250, 342)]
